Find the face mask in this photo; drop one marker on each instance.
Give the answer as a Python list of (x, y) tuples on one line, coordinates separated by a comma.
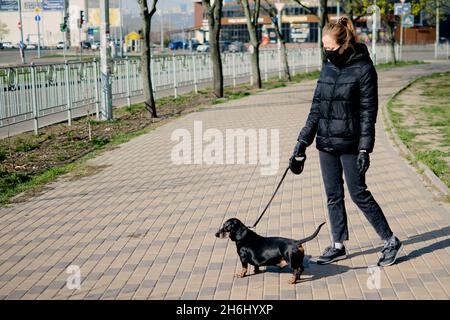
[(336, 58)]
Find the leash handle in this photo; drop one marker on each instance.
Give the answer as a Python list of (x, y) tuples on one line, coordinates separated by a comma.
[(273, 196)]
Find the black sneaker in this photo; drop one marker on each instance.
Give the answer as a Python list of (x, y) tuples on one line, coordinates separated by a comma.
[(390, 252), (332, 254)]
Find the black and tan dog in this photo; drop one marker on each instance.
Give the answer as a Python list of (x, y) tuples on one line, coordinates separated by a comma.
[(265, 251)]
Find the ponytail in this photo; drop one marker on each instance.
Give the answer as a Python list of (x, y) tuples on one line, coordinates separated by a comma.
[(343, 32)]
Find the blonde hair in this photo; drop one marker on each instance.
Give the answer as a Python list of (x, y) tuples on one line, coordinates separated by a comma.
[(342, 31)]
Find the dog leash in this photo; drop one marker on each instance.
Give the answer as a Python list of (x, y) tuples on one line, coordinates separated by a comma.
[(273, 196)]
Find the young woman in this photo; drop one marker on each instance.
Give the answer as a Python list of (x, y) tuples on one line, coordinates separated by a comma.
[(342, 118)]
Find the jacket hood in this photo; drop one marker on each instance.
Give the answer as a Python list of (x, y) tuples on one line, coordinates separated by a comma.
[(360, 53)]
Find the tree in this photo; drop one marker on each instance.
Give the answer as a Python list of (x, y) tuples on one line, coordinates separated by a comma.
[(358, 9), (252, 16), (146, 55), (429, 9), (214, 13), (322, 17), (270, 9), (4, 30), (354, 9)]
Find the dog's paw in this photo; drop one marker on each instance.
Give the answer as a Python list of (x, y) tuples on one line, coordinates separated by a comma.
[(293, 280), (241, 273)]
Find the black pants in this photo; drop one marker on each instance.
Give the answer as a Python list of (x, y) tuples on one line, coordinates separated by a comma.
[(332, 165)]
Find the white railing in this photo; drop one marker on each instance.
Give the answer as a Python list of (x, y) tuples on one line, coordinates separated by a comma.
[(28, 93)]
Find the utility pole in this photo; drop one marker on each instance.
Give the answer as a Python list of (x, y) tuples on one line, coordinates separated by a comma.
[(160, 13), (401, 37), (38, 20), (121, 29), (105, 62), (67, 29), (86, 16), (338, 9), (64, 27), (279, 5), (401, 31), (436, 45), (22, 44), (319, 31), (374, 31)]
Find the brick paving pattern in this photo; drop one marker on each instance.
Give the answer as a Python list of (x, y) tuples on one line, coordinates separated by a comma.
[(143, 228)]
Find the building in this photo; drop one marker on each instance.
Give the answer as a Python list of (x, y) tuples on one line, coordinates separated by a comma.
[(51, 14), (297, 24)]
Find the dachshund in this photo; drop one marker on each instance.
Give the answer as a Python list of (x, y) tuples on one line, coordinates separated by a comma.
[(265, 251)]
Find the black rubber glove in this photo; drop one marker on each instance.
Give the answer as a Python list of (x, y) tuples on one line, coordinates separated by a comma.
[(299, 149), (363, 162)]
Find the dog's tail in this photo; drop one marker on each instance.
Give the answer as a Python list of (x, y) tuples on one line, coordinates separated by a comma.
[(311, 236)]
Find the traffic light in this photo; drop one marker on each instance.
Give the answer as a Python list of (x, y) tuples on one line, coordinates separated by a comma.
[(81, 18), (63, 26)]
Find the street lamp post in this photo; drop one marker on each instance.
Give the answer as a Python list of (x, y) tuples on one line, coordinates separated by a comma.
[(121, 29), (436, 45), (160, 13)]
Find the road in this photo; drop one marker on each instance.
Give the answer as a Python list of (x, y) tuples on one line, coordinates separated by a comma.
[(12, 56)]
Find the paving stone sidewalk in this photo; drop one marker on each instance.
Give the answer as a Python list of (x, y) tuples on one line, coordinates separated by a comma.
[(143, 228)]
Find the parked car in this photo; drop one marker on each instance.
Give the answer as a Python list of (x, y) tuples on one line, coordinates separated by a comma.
[(85, 44), (7, 45), (31, 46), (203, 47), (1, 46), (444, 40), (60, 45), (193, 44), (95, 45), (223, 45), (176, 44), (236, 46)]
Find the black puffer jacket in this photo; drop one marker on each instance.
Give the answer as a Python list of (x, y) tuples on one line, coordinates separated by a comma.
[(345, 105)]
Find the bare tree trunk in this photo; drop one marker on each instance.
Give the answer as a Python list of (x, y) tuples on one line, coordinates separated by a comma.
[(389, 22), (257, 82), (214, 15), (323, 20), (252, 25), (273, 13), (391, 37), (146, 55), (284, 56)]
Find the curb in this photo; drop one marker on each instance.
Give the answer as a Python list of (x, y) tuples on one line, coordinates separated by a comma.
[(403, 149)]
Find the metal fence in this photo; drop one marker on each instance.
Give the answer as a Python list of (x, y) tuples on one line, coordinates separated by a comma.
[(34, 91)]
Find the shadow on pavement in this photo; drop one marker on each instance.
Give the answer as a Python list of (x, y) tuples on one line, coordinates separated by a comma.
[(430, 235), (329, 270)]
